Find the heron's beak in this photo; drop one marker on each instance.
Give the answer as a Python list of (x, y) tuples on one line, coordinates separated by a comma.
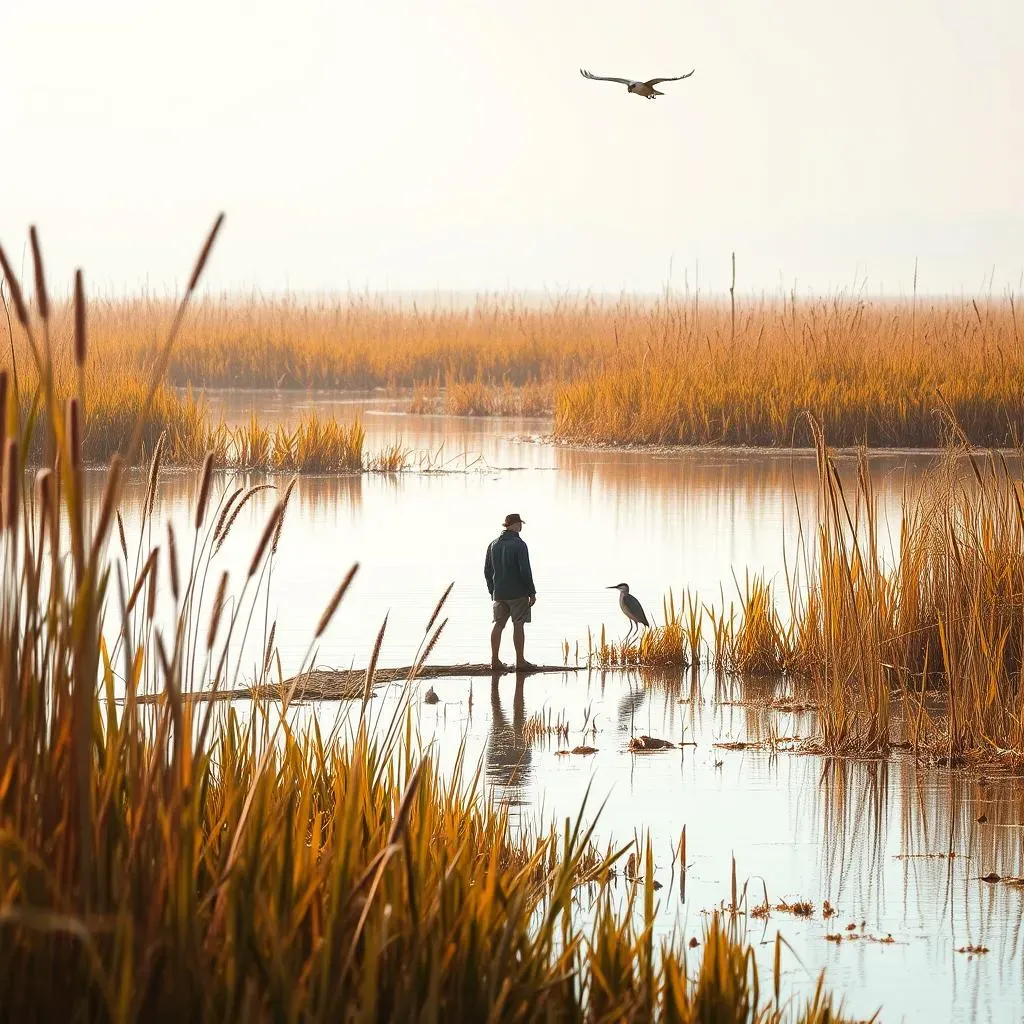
[(611, 588)]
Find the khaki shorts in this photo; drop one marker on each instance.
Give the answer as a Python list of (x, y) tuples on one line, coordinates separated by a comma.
[(515, 608)]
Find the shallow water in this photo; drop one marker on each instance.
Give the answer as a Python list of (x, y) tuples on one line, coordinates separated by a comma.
[(695, 519)]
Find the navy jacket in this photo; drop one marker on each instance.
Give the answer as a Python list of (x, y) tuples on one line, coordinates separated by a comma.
[(507, 568)]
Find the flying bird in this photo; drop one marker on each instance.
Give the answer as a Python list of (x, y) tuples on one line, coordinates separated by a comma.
[(637, 88)]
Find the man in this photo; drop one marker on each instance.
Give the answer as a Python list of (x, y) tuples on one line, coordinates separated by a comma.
[(510, 584)]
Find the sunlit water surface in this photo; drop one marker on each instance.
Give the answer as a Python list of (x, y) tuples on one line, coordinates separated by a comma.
[(864, 836)]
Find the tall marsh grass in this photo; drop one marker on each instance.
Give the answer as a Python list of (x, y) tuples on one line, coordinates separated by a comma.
[(919, 644), (873, 373), (668, 371), (162, 862)]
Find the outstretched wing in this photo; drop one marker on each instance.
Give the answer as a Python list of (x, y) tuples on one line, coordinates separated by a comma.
[(678, 78), (602, 78)]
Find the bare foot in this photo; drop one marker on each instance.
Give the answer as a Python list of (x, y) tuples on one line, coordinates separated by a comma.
[(498, 666), (525, 666)]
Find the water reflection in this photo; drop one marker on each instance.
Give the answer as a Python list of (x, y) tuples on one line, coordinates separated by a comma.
[(509, 758)]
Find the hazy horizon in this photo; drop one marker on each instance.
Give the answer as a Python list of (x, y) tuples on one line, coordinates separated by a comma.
[(456, 149)]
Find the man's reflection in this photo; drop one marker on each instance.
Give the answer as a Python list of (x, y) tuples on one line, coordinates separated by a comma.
[(508, 754)]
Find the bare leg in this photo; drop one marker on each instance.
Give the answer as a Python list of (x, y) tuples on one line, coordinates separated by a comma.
[(519, 640), (496, 645)]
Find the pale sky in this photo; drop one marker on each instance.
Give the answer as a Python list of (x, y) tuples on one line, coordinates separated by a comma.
[(453, 145)]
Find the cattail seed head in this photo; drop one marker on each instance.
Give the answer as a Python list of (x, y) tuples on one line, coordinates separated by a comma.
[(154, 474), (121, 537), (12, 479), (149, 567), (269, 653), (74, 438), (20, 309), (332, 607), (151, 594), (218, 609), (268, 533), (197, 271), (80, 338), (172, 560), (205, 480), (284, 508), (37, 262), (3, 407)]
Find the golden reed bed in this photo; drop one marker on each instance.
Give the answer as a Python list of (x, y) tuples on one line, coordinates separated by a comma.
[(882, 373)]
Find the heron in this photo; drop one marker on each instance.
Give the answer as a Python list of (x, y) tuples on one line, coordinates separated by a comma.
[(638, 88), (631, 608)]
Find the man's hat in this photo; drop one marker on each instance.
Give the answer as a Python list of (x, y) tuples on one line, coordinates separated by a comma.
[(511, 520)]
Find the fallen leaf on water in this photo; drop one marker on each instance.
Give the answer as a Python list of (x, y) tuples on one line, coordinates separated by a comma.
[(694, 943), (991, 877), (973, 949)]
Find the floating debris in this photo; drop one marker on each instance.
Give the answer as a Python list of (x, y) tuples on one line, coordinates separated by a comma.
[(693, 943), (583, 749), (643, 744), (991, 878), (827, 910), (430, 697), (981, 819), (854, 937), (801, 908), (930, 856), (973, 949)]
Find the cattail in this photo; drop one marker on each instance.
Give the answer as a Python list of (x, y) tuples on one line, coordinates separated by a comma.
[(205, 481), (3, 408), (238, 508), (197, 271), (74, 428), (16, 297), (110, 492), (154, 473), (37, 262), (11, 492), (437, 607), (151, 594), (149, 567), (218, 609), (172, 559), (284, 508), (270, 648), (331, 608), (371, 669), (433, 642), (268, 532), (44, 484), (120, 534), (80, 339), (225, 511)]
